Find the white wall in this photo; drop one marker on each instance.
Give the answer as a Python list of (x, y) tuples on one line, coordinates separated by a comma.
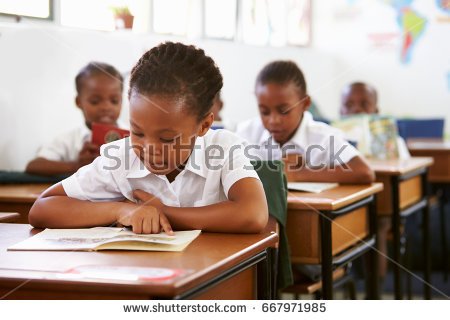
[(38, 64)]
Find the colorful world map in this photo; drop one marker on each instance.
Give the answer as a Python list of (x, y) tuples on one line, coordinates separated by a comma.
[(412, 24)]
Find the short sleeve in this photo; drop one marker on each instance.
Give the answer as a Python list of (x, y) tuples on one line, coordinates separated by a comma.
[(334, 149), (403, 152), (94, 182), (66, 146), (54, 151), (236, 167)]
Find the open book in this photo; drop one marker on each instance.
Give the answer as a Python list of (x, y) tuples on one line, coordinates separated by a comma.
[(106, 133), (103, 238), (314, 187), (375, 136)]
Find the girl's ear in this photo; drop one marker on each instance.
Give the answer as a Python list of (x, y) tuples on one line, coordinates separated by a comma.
[(205, 124), (78, 102), (306, 102)]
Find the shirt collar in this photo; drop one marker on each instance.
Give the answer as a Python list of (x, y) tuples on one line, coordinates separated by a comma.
[(195, 163), (300, 136)]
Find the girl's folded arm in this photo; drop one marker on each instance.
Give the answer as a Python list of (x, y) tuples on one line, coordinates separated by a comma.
[(54, 209), (244, 212)]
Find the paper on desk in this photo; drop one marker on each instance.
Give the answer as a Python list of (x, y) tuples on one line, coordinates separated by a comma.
[(314, 187)]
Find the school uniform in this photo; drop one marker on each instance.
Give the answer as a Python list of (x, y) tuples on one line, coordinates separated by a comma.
[(320, 144), (215, 164), (67, 146), (403, 152)]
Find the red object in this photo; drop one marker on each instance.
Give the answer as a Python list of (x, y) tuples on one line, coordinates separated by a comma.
[(106, 133)]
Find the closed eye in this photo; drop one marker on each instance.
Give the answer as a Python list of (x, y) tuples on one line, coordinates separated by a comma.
[(140, 135)]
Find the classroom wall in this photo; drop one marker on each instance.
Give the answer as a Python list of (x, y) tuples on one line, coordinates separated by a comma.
[(38, 64)]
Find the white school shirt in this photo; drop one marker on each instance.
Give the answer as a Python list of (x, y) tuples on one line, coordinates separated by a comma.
[(403, 152), (67, 146), (318, 142), (215, 164)]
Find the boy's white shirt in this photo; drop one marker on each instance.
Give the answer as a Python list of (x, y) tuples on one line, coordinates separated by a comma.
[(403, 152), (67, 146), (317, 137), (205, 180)]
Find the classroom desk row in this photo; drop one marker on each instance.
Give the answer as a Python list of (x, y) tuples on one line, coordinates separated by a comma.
[(344, 230)]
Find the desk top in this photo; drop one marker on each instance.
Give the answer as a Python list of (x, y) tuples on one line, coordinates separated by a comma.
[(23, 193), (398, 167), (205, 258), (332, 199), (8, 216), (431, 146)]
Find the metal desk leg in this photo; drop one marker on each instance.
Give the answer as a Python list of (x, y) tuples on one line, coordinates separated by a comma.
[(373, 290), (426, 238), (326, 255), (264, 274), (442, 202), (396, 229)]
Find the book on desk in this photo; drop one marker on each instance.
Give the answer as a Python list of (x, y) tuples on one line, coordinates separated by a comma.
[(104, 238), (106, 133), (314, 187)]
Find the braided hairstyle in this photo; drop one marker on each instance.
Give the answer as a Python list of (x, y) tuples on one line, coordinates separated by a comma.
[(282, 72), (97, 68), (178, 71)]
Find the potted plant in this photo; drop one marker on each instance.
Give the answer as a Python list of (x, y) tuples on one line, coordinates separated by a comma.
[(123, 18)]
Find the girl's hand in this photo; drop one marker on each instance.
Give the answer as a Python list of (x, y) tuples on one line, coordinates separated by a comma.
[(293, 163), (144, 219), (147, 199)]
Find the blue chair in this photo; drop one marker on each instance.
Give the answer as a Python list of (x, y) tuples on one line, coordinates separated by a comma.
[(421, 128)]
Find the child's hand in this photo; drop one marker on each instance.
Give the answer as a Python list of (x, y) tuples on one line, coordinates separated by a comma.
[(144, 219), (148, 199), (292, 163), (88, 153)]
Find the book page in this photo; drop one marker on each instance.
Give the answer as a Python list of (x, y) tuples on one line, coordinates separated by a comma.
[(356, 129), (315, 187), (105, 238)]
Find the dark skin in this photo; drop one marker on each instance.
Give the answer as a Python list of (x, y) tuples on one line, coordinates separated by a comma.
[(281, 108), (358, 98), (361, 98), (217, 107), (158, 125), (100, 100)]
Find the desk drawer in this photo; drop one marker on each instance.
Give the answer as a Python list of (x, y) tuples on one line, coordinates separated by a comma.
[(410, 192), (303, 231)]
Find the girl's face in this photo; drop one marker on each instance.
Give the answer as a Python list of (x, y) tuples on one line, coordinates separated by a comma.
[(163, 134), (100, 99), (281, 108)]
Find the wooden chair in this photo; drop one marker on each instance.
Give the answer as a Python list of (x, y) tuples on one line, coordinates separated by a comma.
[(303, 285)]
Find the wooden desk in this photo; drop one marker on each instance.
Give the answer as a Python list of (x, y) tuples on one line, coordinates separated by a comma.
[(329, 228), (19, 198), (9, 216), (405, 192), (219, 266), (440, 152), (439, 176)]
